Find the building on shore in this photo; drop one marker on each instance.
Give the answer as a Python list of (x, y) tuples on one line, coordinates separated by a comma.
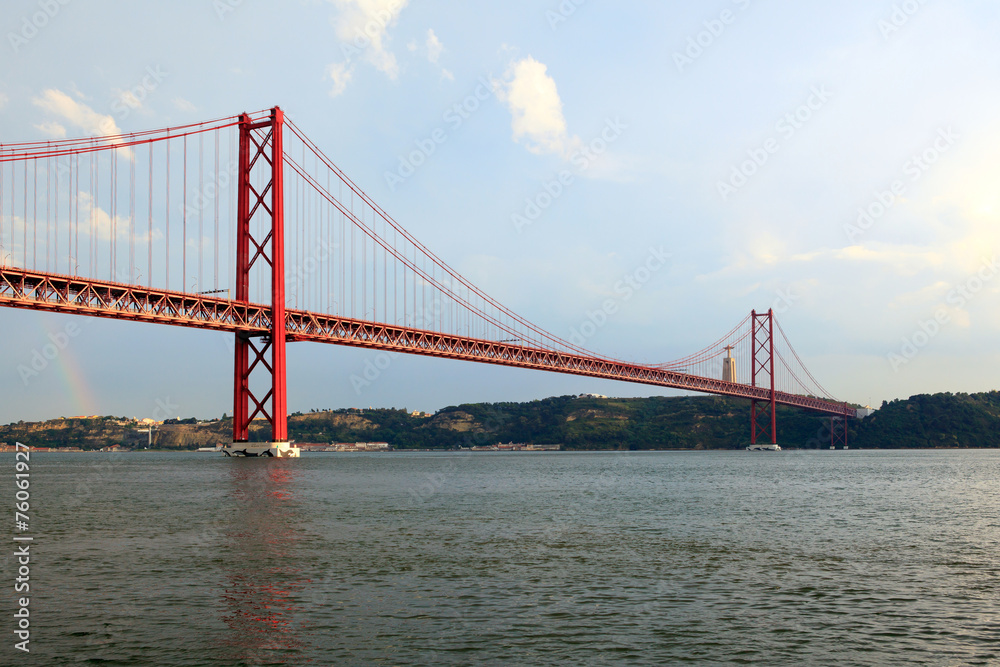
[(356, 447), (516, 447)]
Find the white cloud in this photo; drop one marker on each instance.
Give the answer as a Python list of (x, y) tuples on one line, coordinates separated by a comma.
[(434, 47), (183, 105), (535, 107), (76, 91), (75, 113), (101, 220), (340, 74), (52, 129), (3, 100), (129, 99), (362, 27)]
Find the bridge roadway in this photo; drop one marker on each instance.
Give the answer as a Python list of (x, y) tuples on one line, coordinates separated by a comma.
[(33, 290)]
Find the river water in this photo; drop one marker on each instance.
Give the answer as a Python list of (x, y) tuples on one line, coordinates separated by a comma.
[(791, 558)]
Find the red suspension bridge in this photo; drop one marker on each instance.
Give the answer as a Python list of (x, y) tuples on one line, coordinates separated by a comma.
[(242, 224)]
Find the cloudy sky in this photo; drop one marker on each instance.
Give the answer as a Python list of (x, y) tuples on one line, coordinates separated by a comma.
[(836, 161)]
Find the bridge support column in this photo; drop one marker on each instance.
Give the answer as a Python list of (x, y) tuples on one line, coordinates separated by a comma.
[(835, 437), (261, 150), (763, 421)]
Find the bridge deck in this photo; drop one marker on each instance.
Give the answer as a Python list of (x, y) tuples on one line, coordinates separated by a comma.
[(33, 290)]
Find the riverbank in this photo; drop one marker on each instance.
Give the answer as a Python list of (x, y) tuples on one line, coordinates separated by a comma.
[(585, 423)]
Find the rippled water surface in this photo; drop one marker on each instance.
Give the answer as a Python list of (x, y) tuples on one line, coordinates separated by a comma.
[(821, 558)]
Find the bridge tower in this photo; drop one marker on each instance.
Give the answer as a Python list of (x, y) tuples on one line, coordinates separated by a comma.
[(762, 413), (838, 436), (260, 249)]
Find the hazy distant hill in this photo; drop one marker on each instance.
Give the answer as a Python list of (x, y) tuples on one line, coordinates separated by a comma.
[(700, 422), (938, 420)]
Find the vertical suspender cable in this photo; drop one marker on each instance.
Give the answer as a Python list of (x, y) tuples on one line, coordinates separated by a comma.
[(364, 270), (55, 229), (200, 194), (342, 304), (34, 214), (131, 215), (24, 222), (184, 218), (167, 218), (302, 281), (297, 217), (395, 275), (97, 217), (73, 255), (353, 267), (230, 237), (48, 206), (330, 213), (217, 195), (114, 212), (2, 246), (314, 235), (385, 278), (149, 237)]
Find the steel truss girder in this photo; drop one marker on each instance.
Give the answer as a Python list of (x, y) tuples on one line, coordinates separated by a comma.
[(47, 292)]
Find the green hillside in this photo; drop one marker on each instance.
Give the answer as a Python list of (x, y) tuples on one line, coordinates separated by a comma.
[(697, 422)]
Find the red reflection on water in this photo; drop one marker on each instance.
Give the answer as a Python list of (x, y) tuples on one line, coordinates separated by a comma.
[(262, 576)]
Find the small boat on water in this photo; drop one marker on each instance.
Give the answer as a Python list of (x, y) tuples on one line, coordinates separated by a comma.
[(763, 448)]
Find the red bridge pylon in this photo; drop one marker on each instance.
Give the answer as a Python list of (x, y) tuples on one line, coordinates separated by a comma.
[(260, 154), (838, 436), (762, 413)]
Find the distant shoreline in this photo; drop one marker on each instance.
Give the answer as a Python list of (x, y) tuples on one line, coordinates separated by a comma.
[(576, 423), (526, 452)]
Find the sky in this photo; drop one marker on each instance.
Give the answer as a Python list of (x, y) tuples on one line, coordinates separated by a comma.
[(833, 161)]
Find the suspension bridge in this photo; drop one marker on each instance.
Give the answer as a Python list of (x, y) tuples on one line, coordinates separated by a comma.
[(242, 224)]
